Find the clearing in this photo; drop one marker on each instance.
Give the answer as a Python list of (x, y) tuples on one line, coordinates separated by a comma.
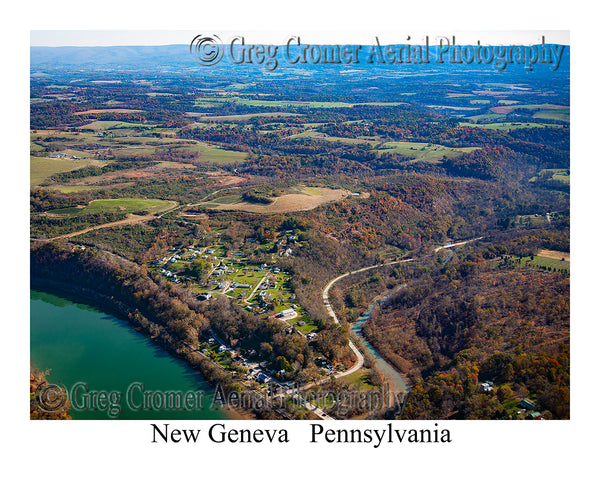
[(504, 126), (108, 110), (307, 198), (44, 167), (555, 255), (424, 152), (127, 205)]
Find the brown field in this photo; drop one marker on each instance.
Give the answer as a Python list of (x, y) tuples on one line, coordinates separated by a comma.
[(311, 197), (244, 116), (502, 110), (108, 110), (225, 179), (173, 165), (555, 255)]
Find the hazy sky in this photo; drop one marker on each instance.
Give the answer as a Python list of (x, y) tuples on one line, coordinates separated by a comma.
[(165, 37)]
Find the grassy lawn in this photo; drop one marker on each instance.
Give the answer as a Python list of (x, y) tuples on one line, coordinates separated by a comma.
[(544, 262), (308, 326), (560, 174), (360, 379), (538, 221), (540, 261)]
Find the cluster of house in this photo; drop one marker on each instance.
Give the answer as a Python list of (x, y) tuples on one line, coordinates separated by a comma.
[(170, 274), (526, 404), (220, 270), (324, 364), (63, 155), (255, 371), (531, 408)]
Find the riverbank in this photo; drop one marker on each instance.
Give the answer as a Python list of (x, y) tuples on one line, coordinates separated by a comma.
[(398, 382)]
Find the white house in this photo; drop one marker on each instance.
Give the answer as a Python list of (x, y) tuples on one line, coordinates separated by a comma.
[(286, 313)]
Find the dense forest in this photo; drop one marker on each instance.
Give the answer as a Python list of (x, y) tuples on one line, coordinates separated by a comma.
[(474, 322)]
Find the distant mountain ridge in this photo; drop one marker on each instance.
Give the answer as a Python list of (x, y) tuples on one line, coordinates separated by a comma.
[(156, 58)]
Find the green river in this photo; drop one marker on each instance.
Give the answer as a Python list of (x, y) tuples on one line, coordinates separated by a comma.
[(109, 369)]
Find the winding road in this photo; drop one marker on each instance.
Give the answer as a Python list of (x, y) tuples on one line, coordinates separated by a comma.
[(360, 359)]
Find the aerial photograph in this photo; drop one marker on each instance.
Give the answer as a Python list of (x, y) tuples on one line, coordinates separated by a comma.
[(223, 228)]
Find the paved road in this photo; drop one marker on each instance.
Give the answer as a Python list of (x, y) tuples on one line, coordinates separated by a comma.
[(359, 356), (360, 359), (247, 299), (457, 244)]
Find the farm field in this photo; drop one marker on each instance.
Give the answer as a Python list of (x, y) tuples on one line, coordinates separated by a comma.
[(108, 110), (213, 101), (306, 199), (213, 154), (99, 125), (505, 126), (424, 152), (245, 116), (44, 167), (561, 115), (560, 174), (487, 117), (127, 205), (120, 140), (324, 136), (543, 111), (544, 262)]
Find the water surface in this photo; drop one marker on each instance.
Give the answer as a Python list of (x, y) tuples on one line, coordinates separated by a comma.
[(84, 346)]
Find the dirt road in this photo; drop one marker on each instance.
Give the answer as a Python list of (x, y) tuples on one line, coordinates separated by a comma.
[(130, 220)]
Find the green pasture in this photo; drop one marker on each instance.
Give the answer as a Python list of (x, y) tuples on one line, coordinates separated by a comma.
[(425, 152)]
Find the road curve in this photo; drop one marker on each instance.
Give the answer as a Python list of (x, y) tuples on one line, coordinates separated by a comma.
[(360, 359)]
